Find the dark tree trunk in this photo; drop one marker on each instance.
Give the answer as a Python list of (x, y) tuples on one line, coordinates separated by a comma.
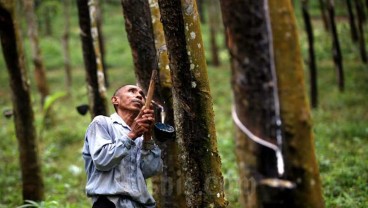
[(32, 182), (360, 11), (353, 29), (254, 93), (97, 101), (312, 61), (336, 51), (193, 113), (139, 29), (214, 23), (324, 14)]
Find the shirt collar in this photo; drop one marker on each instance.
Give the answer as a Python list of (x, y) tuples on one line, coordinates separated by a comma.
[(117, 119)]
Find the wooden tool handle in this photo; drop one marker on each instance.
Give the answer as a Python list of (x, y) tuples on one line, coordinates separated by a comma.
[(151, 89)]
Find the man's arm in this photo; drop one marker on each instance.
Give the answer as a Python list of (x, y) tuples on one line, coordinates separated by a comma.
[(106, 152), (151, 162)]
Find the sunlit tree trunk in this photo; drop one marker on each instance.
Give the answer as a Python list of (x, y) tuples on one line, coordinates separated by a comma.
[(32, 182), (65, 46), (298, 144), (312, 60), (94, 72), (193, 112), (336, 50), (39, 70), (214, 21), (360, 12), (353, 29), (168, 187)]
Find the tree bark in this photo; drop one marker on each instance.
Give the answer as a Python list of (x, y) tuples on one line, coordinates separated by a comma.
[(193, 112), (101, 39), (139, 29), (360, 12), (65, 46), (39, 70), (254, 88), (324, 14), (312, 60), (353, 29), (95, 87), (32, 182), (336, 51), (214, 22), (298, 147), (168, 187)]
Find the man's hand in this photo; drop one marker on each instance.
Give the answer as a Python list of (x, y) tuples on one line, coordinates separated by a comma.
[(142, 124)]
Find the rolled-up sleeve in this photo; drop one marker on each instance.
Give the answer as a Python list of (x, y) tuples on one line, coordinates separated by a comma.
[(106, 152), (151, 162)]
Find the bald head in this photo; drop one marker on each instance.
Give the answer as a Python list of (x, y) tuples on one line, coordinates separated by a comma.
[(125, 91)]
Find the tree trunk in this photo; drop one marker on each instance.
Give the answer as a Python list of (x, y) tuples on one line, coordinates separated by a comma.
[(139, 29), (65, 46), (298, 145), (360, 12), (193, 112), (32, 182), (101, 39), (168, 187), (39, 71), (353, 29), (214, 22), (324, 15), (47, 21), (312, 60), (201, 7), (336, 51), (256, 102), (95, 81)]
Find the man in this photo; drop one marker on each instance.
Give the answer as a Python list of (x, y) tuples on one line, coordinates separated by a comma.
[(119, 153)]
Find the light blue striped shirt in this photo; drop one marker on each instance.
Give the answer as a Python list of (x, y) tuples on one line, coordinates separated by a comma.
[(117, 166)]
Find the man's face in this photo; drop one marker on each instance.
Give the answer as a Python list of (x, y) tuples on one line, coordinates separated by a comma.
[(129, 97)]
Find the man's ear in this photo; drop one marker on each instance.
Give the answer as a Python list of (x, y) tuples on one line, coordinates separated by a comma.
[(114, 100)]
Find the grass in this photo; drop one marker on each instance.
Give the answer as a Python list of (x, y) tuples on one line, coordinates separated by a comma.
[(340, 122)]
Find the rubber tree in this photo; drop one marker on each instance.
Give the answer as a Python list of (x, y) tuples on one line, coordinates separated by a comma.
[(361, 18), (255, 96), (214, 21), (39, 68), (311, 55), (274, 147), (352, 24), (336, 50), (298, 147), (32, 182), (168, 187), (95, 76), (193, 112)]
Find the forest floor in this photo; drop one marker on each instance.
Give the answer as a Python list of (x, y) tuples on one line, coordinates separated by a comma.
[(340, 123)]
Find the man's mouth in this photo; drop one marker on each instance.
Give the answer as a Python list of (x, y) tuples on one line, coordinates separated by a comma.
[(138, 102)]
